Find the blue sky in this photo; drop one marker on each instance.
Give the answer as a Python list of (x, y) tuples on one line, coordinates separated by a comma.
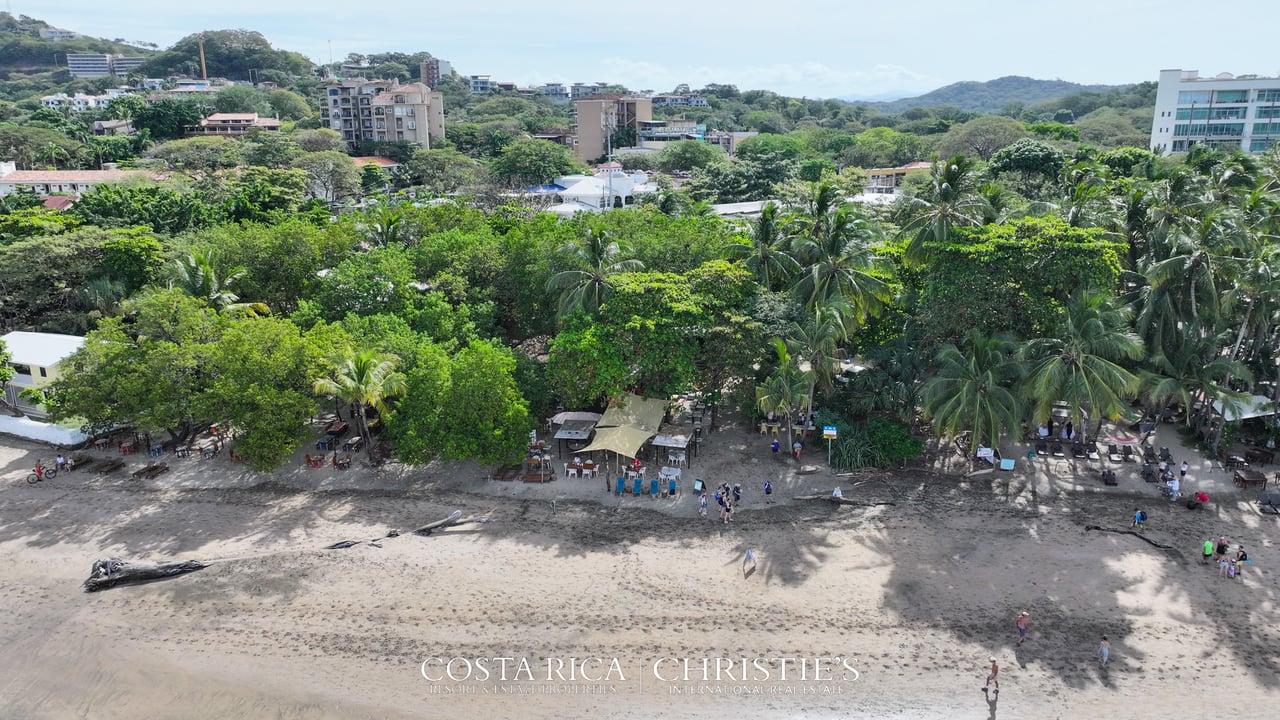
[(813, 48)]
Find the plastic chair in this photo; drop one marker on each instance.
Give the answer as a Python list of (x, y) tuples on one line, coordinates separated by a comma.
[(572, 472), (671, 488), (639, 486), (653, 488), (622, 485)]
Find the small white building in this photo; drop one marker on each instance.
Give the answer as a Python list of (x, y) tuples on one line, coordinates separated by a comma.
[(36, 359), (1225, 112)]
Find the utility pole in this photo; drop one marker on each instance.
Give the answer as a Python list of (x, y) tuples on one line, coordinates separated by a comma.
[(204, 71)]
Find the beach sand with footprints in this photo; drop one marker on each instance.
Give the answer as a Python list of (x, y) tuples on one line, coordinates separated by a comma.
[(914, 589)]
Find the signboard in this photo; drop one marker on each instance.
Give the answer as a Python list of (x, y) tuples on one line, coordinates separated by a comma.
[(829, 432)]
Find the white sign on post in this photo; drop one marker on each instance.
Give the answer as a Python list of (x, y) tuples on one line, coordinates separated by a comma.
[(829, 432)]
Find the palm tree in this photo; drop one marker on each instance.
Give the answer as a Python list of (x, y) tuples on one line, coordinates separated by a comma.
[(766, 255), (599, 258), (1197, 373), (366, 379), (814, 343), (386, 225), (1080, 366), (199, 277), (783, 392), (951, 200), (837, 263), (974, 389)]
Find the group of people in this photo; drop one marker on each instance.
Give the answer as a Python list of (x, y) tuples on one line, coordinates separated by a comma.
[(1023, 624), (1220, 554), (728, 497), (1066, 431)]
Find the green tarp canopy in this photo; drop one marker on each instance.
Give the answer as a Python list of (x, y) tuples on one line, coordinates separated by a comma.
[(636, 412)]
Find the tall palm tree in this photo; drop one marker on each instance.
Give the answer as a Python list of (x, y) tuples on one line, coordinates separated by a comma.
[(599, 258), (199, 276), (975, 389), (814, 343), (1080, 365), (783, 392), (366, 379), (837, 264), (951, 199), (767, 255), (1198, 373)]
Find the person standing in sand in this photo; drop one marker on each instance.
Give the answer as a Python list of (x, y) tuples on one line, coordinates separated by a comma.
[(1022, 622), (1104, 650), (993, 677), (1208, 550), (702, 505)]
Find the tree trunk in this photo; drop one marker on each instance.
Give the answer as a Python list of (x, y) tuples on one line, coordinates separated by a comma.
[(1235, 349), (114, 571)]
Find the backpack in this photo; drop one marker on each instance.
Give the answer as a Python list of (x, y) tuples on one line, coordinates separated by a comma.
[(1142, 516)]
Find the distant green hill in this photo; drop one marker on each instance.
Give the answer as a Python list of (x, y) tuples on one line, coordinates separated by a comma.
[(992, 95), (23, 50)]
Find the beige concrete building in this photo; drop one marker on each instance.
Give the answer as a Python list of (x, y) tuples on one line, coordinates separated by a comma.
[(382, 110), (599, 116)]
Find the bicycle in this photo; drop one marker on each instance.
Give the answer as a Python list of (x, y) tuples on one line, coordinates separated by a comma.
[(42, 473)]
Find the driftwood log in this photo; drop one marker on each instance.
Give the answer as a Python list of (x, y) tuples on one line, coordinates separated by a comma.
[(455, 518), (840, 500), (110, 572), (1140, 536)]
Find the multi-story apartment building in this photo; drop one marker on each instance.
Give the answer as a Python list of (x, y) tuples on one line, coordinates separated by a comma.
[(581, 90), (599, 117), (91, 65), (81, 102), (434, 70), (1225, 112), (231, 125), (56, 34), (383, 110), (480, 84), (680, 100), (558, 93)]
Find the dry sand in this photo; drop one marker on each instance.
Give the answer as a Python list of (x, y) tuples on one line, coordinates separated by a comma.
[(914, 595)]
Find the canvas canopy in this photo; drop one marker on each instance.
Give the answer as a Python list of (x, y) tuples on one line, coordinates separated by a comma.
[(625, 441), (1251, 407), (643, 413)]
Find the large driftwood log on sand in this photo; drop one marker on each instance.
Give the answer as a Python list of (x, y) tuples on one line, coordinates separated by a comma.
[(114, 571)]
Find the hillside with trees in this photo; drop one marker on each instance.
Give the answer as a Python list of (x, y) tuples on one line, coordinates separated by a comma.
[(22, 50), (992, 95)]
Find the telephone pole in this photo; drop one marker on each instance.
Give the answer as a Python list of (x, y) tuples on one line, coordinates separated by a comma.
[(204, 71)]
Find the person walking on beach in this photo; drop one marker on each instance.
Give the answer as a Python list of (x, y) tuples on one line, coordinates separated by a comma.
[(702, 505), (993, 677), (1104, 650), (1182, 470), (1223, 547), (1139, 519), (768, 491), (1208, 550), (795, 449), (775, 447), (1023, 620), (737, 493), (1242, 557)]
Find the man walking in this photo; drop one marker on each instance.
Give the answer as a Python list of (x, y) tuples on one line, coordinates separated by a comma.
[(768, 491), (1023, 620), (993, 677)]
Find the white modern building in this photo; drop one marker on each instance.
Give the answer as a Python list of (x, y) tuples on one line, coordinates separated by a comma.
[(36, 359), (1224, 112)]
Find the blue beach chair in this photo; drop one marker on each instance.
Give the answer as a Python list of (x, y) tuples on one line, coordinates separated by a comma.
[(653, 488), (622, 485), (639, 487)]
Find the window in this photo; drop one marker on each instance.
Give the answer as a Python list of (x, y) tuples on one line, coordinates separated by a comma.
[(21, 369), (1179, 145), (1267, 113), (1193, 97), (1231, 96), (1260, 144), (1269, 95), (1219, 130), (1228, 113), (1266, 128), (43, 374), (413, 125)]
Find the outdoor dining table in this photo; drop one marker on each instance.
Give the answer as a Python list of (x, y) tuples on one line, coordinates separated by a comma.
[(584, 469), (353, 444), (337, 428), (1244, 478), (325, 443)]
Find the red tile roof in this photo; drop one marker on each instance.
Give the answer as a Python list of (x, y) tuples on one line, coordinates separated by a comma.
[(384, 162), (59, 202)]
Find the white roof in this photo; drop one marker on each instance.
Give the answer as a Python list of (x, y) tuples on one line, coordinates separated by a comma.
[(1250, 407), (40, 349)]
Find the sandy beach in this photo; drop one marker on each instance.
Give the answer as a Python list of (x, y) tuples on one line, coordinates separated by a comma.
[(631, 607)]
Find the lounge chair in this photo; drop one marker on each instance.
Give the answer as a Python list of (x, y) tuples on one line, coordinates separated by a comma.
[(1109, 477), (1077, 450), (1165, 456), (1149, 454), (1149, 472), (1042, 446), (1057, 448), (653, 488), (671, 488), (622, 485), (1091, 450), (1113, 453), (1269, 504), (639, 486)]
